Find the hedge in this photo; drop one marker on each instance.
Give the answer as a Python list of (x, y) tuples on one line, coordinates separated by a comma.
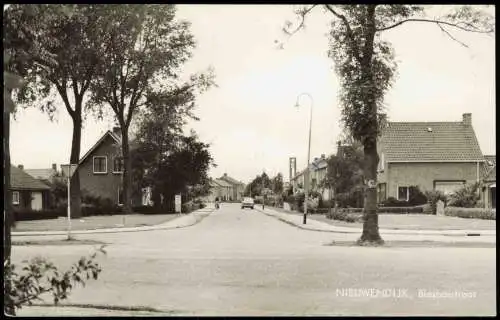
[(28, 214), (471, 213), (344, 216), (381, 210)]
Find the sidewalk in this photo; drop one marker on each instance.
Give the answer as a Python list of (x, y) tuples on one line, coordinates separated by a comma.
[(183, 220), (316, 225)]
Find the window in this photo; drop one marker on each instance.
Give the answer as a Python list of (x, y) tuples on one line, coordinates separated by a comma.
[(100, 164), (15, 197), (403, 193), (120, 196), (118, 165)]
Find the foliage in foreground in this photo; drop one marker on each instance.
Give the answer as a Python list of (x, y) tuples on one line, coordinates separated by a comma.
[(29, 281)]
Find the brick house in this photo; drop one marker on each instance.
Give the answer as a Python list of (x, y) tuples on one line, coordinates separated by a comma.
[(101, 169), (432, 155), (27, 191), (238, 187)]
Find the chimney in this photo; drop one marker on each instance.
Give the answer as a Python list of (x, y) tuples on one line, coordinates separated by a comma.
[(323, 156), (467, 119), (117, 131), (225, 174), (54, 166), (21, 167), (315, 159)]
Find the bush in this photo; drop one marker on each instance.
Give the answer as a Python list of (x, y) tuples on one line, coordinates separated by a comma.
[(433, 197), (327, 204), (344, 215), (402, 210), (29, 215), (417, 197), (393, 202), (471, 213), (148, 210), (466, 197)]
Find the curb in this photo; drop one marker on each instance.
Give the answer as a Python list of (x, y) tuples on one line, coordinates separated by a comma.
[(383, 232), (194, 214)]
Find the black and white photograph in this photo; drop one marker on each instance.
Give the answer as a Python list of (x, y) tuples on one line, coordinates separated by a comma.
[(249, 159)]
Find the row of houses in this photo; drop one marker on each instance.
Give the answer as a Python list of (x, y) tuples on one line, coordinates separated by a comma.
[(225, 188), (101, 173), (432, 155)]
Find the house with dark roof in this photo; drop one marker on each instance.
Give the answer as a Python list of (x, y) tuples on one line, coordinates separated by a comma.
[(489, 183), (101, 169), (46, 175), (28, 192), (432, 155), (237, 187)]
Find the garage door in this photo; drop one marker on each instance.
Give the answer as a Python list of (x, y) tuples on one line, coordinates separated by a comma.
[(448, 187)]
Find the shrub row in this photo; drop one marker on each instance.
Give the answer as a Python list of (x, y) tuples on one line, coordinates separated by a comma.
[(28, 214), (344, 216), (471, 213), (390, 210)]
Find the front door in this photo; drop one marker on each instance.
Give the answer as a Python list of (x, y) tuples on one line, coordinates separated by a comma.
[(36, 201)]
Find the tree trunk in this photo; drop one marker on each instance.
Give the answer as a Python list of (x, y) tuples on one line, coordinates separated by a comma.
[(370, 217), (76, 197), (8, 218), (127, 177)]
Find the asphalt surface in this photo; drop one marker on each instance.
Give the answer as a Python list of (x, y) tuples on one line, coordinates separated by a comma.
[(242, 262)]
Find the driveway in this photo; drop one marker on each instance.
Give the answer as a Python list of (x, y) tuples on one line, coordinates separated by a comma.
[(242, 262)]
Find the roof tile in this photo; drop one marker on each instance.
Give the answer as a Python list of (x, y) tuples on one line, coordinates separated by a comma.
[(430, 141)]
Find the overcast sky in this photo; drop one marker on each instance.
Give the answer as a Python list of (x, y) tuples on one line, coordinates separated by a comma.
[(250, 120)]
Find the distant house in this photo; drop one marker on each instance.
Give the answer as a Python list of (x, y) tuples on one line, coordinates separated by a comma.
[(489, 186), (27, 192), (238, 187), (224, 190), (432, 155), (318, 169), (48, 175), (219, 189), (101, 169)]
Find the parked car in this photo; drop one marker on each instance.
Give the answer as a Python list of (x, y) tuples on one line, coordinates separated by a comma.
[(247, 203)]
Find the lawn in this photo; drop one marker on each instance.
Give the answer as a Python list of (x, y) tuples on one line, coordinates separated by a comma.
[(412, 222), (94, 222)]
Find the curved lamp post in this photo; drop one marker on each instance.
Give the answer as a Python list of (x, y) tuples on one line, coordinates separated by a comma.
[(306, 172)]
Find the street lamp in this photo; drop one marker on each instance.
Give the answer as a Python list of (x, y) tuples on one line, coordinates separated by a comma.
[(69, 170), (306, 173)]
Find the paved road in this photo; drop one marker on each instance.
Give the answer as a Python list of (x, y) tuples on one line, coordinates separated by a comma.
[(242, 262)]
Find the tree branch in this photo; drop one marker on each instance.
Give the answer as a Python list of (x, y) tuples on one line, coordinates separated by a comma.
[(452, 37), (349, 31), (64, 95), (455, 25), (303, 15)]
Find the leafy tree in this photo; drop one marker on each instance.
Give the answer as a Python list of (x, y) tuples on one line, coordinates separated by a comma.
[(57, 47), (366, 66), (257, 186), (141, 61), (277, 184), (182, 168)]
